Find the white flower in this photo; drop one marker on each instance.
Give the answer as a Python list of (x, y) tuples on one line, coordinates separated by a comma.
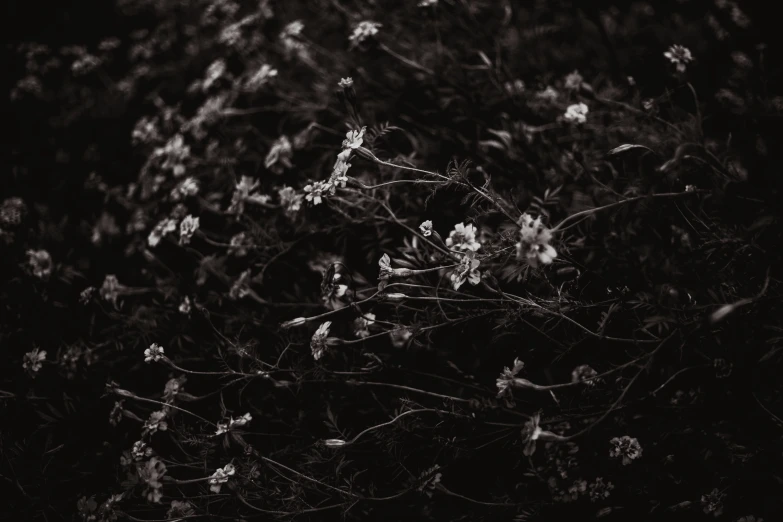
[(467, 269), (576, 113), (151, 473), (339, 175), (515, 87), (626, 447), (463, 237), (187, 228), (361, 325), (140, 450), (110, 289), (214, 72), (157, 421), (399, 337), (584, 373), (224, 427), (346, 82), (32, 360), (279, 154), (428, 3), (290, 200), (220, 477), (161, 230), (188, 187), (261, 77), (315, 191), (353, 139), (548, 94), (293, 29), (573, 82), (364, 30), (40, 263), (184, 307), (153, 353), (241, 286), (680, 56), (507, 376), (175, 153), (426, 228), (534, 240), (318, 341)]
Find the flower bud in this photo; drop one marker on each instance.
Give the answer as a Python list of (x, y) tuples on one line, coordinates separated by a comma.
[(396, 297), (299, 321), (334, 443)]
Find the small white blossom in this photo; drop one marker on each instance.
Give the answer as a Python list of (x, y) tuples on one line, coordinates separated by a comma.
[(573, 82), (353, 139), (153, 353), (463, 237), (184, 307), (363, 30), (318, 341), (188, 187), (626, 447), (261, 77), (214, 72), (315, 191), (467, 270), (175, 152), (39, 263), (346, 82), (290, 200), (140, 450), (161, 230), (241, 286), (110, 289), (156, 422), (362, 324), (32, 360), (225, 427), (426, 228), (548, 94), (187, 228), (584, 373), (400, 337), (679, 56), (220, 477), (292, 29), (151, 474), (279, 155), (533, 245), (503, 382), (576, 113), (428, 3)]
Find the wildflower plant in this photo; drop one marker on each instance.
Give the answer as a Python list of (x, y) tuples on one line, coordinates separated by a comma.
[(260, 184)]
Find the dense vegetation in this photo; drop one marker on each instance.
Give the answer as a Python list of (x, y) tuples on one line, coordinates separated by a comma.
[(443, 260)]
